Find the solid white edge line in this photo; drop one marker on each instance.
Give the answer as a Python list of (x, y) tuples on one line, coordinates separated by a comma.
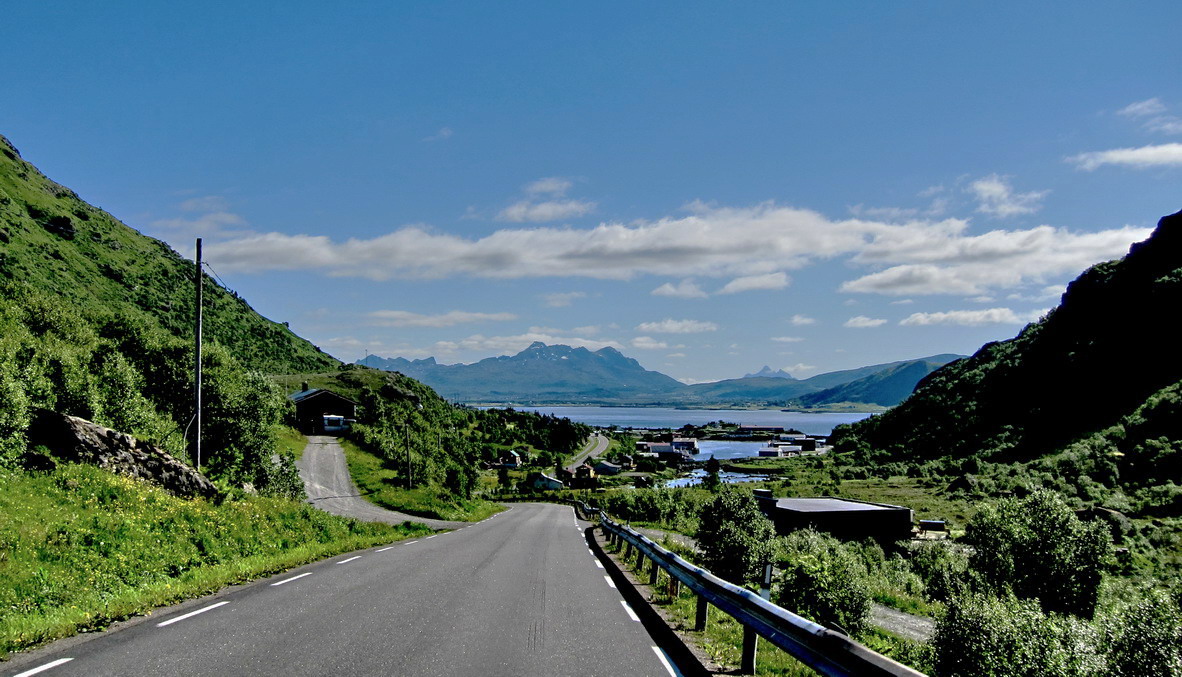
[(346, 561), (609, 581), (665, 661), (385, 549), (211, 607), (289, 580), (631, 613), (43, 668)]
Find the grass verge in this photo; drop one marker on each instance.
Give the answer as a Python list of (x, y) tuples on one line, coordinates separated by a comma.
[(380, 485), (81, 548), (290, 439)]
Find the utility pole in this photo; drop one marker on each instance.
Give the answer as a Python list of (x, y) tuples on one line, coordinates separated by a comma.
[(197, 365)]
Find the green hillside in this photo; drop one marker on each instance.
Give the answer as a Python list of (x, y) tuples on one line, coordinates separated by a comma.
[(63, 247), (1087, 400)]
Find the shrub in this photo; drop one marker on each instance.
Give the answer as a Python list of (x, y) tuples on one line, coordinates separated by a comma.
[(982, 636), (823, 580), (734, 537), (1037, 548), (1146, 638)]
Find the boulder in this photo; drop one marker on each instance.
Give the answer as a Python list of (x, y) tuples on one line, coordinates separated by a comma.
[(70, 438)]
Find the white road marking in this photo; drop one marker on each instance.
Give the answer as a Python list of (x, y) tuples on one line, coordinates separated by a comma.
[(289, 580), (430, 537), (609, 581), (211, 607), (346, 561), (385, 549), (631, 613), (599, 564), (665, 661), (43, 668)]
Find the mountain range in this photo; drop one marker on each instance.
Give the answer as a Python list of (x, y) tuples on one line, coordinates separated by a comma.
[(559, 374)]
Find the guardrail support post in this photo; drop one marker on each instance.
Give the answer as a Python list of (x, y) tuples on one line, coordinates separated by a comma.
[(749, 646), (628, 552), (654, 572), (701, 614)]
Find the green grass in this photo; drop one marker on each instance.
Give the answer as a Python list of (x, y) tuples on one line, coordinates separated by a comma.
[(381, 485), (81, 548), (722, 640), (290, 439)]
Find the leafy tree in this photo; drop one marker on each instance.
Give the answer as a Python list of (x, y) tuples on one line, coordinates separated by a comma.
[(1039, 549), (824, 580), (734, 537), (712, 481)]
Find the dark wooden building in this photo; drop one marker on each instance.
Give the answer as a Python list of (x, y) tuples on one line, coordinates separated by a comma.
[(844, 518), (320, 411)]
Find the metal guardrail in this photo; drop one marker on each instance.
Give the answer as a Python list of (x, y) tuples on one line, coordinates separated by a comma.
[(827, 651)]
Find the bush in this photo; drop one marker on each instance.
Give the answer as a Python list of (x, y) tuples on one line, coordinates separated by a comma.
[(823, 580), (981, 636), (1146, 638), (1037, 548), (734, 537), (941, 565)]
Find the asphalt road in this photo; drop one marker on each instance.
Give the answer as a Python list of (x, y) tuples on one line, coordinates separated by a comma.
[(596, 445), (517, 594), (330, 488)]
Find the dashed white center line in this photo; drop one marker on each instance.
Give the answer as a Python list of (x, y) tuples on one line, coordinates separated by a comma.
[(43, 668), (191, 614), (289, 580), (430, 537), (346, 561), (609, 581), (599, 564), (665, 661), (631, 613), (385, 549)]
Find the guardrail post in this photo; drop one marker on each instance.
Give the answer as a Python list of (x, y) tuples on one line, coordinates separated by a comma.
[(750, 639), (627, 552), (701, 614), (654, 572)]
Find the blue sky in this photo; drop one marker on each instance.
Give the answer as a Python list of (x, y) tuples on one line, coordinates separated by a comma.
[(709, 187)]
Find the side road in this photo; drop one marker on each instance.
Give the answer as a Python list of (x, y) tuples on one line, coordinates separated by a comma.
[(331, 489)]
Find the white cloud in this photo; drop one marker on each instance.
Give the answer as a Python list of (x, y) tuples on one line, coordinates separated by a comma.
[(758, 245), (802, 320), (863, 322), (551, 185), (213, 219), (1142, 109), (1164, 155), (404, 318), (563, 299), (755, 282), (206, 203), (801, 369), (648, 343), (995, 196), (503, 345), (686, 289), (787, 339), (971, 318), (443, 134), (671, 326), (540, 212), (678, 355), (945, 261)]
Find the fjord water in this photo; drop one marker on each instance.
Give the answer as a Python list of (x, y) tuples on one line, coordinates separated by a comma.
[(668, 417)]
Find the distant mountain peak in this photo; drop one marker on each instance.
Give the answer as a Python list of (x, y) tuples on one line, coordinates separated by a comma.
[(767, 372)]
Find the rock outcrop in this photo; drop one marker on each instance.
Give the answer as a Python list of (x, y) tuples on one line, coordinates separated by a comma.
[(70, 438)]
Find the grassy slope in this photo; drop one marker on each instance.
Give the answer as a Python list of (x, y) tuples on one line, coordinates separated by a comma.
[(378, 484), (55, 242), (81, 548)]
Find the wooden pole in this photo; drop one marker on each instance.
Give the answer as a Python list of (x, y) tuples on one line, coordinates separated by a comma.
[(197, 364)]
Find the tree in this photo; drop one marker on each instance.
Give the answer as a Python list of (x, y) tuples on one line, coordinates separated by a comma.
[(1146, 639), (712, 481), (734, 537), (1037, 548)]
